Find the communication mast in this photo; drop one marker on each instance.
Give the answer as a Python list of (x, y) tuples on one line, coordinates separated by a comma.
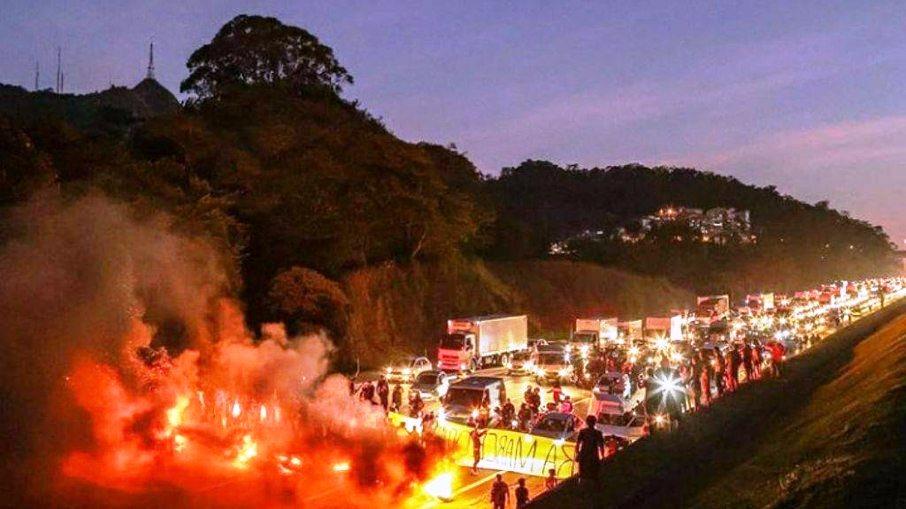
[(150, 74)]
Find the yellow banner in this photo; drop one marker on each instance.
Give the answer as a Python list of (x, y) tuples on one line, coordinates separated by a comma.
[(503, 449)]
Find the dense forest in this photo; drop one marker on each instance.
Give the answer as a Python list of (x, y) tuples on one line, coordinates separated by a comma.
[(798, 244), (299, 187)]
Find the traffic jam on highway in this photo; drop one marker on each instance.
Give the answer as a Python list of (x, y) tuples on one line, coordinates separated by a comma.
[(514, 404)]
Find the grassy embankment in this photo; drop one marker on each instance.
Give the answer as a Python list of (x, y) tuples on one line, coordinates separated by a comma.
[(828, 434), (397, 311)]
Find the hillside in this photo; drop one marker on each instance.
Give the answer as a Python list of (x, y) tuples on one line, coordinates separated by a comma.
[(798, 244), (828, 434), (269, 163), (396, 310), (116, 106)]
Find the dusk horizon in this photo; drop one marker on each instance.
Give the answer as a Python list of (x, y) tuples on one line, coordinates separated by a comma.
[(812, 110)]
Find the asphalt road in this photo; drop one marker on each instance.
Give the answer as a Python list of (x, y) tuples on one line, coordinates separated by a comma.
[(474, 490)]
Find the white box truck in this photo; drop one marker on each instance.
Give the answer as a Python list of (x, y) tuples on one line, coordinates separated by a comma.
[(669, 327), (474, 342), (630, 330), (712, 308), (595, 331)]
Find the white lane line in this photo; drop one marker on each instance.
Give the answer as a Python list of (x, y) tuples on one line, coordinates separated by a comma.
[(476, 483), (435, 502)]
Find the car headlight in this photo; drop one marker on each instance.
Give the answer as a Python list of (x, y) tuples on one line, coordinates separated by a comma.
[(565, 371), (388, 370), (407, 371)]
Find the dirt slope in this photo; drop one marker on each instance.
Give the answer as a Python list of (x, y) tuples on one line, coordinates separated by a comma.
[(397, 310), (829, 434)]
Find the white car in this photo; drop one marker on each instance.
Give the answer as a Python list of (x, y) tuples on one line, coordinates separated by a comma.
[(432, 384), (618, 417), (406, 372)]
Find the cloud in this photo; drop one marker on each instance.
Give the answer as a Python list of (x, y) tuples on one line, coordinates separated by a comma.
[(877, 141), (859, 164), (728, 79)]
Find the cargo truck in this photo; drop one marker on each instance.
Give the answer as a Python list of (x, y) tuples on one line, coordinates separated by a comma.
[(712, 308), (669, 327), (475, 342), (630, 330), (595, 331)]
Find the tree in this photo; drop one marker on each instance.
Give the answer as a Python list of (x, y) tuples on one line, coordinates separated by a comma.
[(257, 50), (304, 299)]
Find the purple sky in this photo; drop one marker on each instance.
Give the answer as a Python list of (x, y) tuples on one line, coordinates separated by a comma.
[(806, 96)]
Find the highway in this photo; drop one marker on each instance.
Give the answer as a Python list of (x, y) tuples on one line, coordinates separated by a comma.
[(474, 490)]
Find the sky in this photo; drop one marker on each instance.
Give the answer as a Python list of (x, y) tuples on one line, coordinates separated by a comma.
[(806, 96)]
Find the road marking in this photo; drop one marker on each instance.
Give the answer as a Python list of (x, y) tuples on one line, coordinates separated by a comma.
[(476, 483), (435, 502)]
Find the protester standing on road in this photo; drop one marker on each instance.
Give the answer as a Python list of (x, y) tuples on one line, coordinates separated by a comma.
[(525, 416), (476, 437), (416, 405), (777, 353), (536, 399), (522, 495), (720, 366), (383, 392), (695, 379), (397, 398), (556, 392), (589, 450), (757, 359), (707, 375), (509, 413), (500, 493), (747, 366), (732, 369), (368, 392), (551, 481), (566, 406)]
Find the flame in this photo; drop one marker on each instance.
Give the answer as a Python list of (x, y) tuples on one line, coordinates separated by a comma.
[(247, 450), (175, 415), (341, 467), (441, 485)]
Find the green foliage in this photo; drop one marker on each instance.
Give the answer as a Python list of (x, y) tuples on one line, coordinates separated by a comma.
[(798, 244), (400, 309), (257, 50), (306, 300), (280, 172)]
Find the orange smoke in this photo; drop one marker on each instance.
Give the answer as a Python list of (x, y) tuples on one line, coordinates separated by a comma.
[(129, 379)]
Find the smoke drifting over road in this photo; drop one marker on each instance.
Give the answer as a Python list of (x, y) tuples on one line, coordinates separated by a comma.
[(129, 378)]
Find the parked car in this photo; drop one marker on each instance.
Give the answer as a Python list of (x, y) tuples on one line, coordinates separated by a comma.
[(551, 366), (432, 384), (617, 418), (520, 363), (408, 370), (556, 425)]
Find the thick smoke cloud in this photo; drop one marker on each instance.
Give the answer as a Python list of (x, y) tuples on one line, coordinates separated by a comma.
[(129, 377), (74, 279)]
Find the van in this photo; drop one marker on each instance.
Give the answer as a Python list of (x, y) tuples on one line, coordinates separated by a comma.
[(468, 395)]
